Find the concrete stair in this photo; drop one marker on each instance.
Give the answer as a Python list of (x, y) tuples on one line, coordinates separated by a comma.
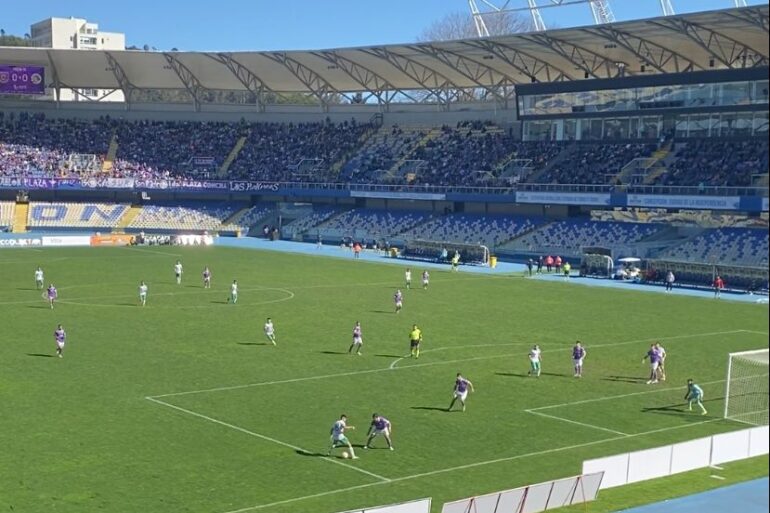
[(128, 217), (20, 217), (112, 151), (432, 134), (239, 144)]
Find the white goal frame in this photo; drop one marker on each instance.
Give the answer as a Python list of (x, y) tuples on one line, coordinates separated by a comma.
[(731, 356)]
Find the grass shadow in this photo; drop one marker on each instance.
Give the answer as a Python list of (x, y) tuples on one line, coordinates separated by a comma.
[(513, 375), (383, 311), (391, 356), (254, 343), (428, 408), (45, 306), (625, 379), (302, 452), (333, 352), (41, 355)]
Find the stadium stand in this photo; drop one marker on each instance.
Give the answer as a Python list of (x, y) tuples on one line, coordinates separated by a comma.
[(567, 238), (245, 220), (370, 224), (595, 163), (379, 157), (717, 162), (724, 246), (490, 230), (188, 217), (297, 228), (6, 215), (74, 215)]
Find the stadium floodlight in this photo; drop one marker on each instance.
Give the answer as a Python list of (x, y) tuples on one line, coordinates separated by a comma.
[(746, 396), (667, 8), (600, 10)]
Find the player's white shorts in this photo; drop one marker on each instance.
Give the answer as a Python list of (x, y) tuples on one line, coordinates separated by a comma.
[(399, 304), (383, 432), (461, 395), (425, 282), (654, 366), (60, 345), (358, 341), (578, 362), (142, 296)]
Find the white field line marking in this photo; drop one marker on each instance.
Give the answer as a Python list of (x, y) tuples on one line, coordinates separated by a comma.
[(718, 477), (534, 412), (621, 396), (419, 365), (143, 250), (716, 467), (263, 437), (471, 465)]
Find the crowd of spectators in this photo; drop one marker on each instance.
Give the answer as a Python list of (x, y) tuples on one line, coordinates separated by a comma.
[(469, 154), (709, 162), (595, 163)]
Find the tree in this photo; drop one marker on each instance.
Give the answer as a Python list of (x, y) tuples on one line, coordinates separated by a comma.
[(460, 25)]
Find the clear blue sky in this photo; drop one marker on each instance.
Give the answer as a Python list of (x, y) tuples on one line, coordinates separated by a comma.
[(291, 24)]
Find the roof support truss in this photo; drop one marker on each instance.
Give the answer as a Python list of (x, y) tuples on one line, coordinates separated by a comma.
[(757, 17), (437, 85), (726, 50), (650, 53), (524, 63), (120, 75), (592, 63), (56, 81), (316, 84), (190, 81), (245, 76), (377, 85)]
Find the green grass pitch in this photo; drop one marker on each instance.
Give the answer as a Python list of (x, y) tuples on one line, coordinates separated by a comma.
[(181, 406)]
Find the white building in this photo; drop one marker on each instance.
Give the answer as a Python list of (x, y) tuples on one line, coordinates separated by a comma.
[(78, 34)]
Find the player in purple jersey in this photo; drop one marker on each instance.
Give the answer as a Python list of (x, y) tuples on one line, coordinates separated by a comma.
[(398, 298), (654, 355), (578, 354), (51, 295), (379, 426), (358, 339), (461, 389), (59, 336), (206, 278)]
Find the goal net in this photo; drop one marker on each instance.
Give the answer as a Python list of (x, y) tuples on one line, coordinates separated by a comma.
[(746, 398)]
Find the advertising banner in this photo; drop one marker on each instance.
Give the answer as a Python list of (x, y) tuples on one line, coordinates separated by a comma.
[(22, 79), (67, 240), (688, 202), (21, 242), (563, 198), (429, 196), (111, 240), (253, 186)]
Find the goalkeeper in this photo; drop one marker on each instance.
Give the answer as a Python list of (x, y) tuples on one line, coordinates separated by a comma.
[(694, 395)]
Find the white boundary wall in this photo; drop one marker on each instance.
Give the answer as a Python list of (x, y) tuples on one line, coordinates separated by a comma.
[(533, 498), (418, 506), (638, 466)]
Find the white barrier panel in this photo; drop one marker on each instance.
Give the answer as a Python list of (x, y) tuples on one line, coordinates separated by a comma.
[(691, 455), (758, 441), (418, 506), (615, 469), (67, 240), (730, 447), (649, 464), (532, 499)]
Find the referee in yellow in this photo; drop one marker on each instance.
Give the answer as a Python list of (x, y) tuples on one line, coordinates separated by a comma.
[(415, 337)]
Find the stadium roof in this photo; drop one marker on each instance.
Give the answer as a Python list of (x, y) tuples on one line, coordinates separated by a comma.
[(731, 38)]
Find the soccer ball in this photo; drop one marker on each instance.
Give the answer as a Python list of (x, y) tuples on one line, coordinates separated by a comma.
[(345, 454)]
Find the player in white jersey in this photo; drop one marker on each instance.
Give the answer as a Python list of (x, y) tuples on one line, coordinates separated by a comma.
[(534, 361), (270, 330), (425, 279), (338, 438), (143, 293), (358, 339), (39, 280), (233, 292), (60, 336), (661, 365), (408, 278), (178, 272), (206, 278)]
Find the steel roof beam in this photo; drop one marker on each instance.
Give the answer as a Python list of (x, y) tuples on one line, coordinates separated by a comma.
[(315, 83), (56, 81), (371, 81), (524, 63), (754, 16), (480, 74), (587, 60), (650, 53), (725, 49), (187, 77), (120, 75), (429, 79), (245, 76)]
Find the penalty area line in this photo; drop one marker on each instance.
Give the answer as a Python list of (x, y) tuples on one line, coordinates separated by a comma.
[(470, 465), (266, 438)]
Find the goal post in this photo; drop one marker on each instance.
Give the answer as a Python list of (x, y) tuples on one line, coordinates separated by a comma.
[(746, 395)]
